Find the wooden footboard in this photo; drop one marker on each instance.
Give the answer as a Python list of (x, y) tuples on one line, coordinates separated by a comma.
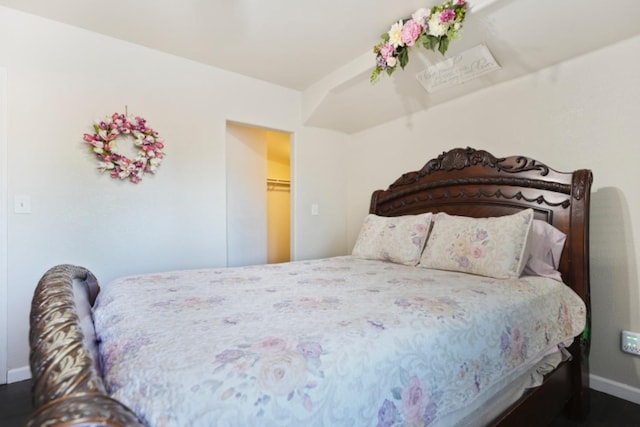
[(67, 384)]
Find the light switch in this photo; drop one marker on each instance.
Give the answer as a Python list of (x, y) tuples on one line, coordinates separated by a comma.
[(315, 210), (22, 204)]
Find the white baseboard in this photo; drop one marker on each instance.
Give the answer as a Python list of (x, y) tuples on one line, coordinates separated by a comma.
[(615, 388), (19, 374)]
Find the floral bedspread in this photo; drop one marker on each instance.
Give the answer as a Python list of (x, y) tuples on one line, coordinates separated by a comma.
[(331, 342)]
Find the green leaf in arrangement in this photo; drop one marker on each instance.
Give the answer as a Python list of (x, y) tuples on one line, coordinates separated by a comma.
[(430, 42), (374, 75), (444, 45), (403, 57)]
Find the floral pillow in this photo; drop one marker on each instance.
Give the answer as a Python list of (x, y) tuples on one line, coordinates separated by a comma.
[(547, 243), (398, 239), (496, 247)]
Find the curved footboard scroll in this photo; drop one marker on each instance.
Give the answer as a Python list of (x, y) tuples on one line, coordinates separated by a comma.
[(67, 384)]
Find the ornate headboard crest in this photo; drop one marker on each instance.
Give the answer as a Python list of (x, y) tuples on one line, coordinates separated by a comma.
[(460, 158)]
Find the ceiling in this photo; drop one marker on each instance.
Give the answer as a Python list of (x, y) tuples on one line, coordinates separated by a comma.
[(324, 51)]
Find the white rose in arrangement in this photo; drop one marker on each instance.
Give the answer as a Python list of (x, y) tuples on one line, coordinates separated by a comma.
[(435, 27), (395, 34), (421, 15)]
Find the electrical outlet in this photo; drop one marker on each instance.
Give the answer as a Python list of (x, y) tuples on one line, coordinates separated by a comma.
[(631, 342)]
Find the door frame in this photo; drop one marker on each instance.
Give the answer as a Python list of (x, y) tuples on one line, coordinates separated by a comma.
[(4, 289), (291, 193)]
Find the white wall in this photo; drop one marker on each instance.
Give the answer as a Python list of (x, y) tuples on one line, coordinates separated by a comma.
[(319, 177), (583, 113), (59, 80)]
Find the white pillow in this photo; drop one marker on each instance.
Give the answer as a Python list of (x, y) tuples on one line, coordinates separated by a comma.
[(398, 239), (496, 247), (547, 243)]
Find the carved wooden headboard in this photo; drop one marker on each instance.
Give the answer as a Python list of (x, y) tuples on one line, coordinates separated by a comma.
[(470, 182)]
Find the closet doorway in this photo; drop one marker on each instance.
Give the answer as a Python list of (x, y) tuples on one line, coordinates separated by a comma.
[(258, 164)]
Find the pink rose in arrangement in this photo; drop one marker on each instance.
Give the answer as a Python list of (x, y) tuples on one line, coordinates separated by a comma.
[(386, 50), (447, 15), (410, 32)]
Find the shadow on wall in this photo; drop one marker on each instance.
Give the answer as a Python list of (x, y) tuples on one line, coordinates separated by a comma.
[(614, 286)]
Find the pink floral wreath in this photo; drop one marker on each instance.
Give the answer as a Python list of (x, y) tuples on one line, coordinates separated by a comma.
[(150, 145)]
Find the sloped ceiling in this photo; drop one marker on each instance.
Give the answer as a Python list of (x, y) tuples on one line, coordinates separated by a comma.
[(323, 49)]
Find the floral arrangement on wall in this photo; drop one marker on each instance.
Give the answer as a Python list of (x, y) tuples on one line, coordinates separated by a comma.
[(104, 145), (431, 28)]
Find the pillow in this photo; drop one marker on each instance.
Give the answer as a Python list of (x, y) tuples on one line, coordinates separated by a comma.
[(547, 243), (397, 239), (496, 247)]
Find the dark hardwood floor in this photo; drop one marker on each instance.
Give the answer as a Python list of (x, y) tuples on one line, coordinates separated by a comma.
[(606, 410), (15, 403)]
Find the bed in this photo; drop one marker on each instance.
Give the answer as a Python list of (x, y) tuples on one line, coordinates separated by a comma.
[(295, 373)]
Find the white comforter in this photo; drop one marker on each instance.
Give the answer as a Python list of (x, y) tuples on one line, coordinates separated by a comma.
[(331, 342)]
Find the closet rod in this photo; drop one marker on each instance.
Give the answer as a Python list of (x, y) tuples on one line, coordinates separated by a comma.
[(278, 181)]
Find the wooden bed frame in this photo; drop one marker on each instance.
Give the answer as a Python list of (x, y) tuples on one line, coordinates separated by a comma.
[(67, 385)]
